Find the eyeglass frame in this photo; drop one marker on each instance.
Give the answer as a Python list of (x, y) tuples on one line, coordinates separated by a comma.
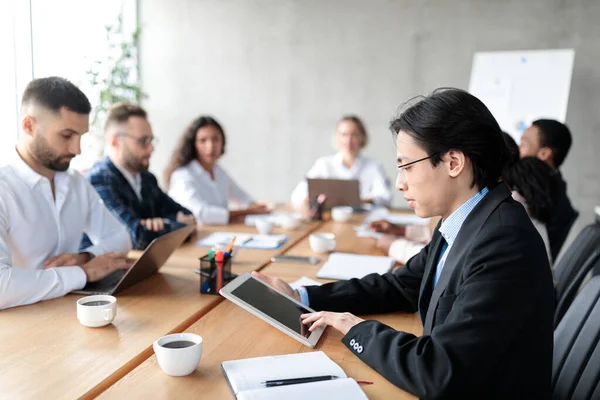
[(400, 167), (153, 140)]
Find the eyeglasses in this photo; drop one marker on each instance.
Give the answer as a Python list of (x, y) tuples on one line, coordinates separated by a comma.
[(400, 167), (143, 141)]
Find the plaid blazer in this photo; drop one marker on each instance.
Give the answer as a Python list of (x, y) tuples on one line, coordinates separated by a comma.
[(120, 198)]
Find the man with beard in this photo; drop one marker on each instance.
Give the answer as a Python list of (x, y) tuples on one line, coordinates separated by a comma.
[(45, 207), (123, 181)]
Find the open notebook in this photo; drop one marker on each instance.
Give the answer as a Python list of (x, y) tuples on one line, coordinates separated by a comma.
[(346, 266), (246, 378), (244, 240)]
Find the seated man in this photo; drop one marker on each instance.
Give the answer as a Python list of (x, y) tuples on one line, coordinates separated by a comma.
[(123, 181), (483, 285), (550, 141), (45, 207)]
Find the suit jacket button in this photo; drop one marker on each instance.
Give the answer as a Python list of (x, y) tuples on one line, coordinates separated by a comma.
[(359, 350), (355, 346), (352, 342)]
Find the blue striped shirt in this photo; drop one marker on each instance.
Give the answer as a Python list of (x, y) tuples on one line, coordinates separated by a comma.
[(451, 226)]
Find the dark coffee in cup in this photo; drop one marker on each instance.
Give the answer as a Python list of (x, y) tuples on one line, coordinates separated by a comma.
[(178, 344), (96, 303)]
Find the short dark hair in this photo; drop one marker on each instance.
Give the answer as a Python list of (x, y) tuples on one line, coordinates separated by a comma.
[(185, 151), (555, 135), (452, 119), (119, 113), (54, 93), (535, 181)]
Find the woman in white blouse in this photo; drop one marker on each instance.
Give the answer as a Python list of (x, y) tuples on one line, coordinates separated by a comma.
[(197, 182), (350, 138)]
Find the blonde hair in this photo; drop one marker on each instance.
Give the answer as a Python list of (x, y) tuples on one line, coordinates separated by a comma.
[(359, 125)]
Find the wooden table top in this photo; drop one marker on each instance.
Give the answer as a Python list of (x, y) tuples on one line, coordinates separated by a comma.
[(230, 332), (47, 353)]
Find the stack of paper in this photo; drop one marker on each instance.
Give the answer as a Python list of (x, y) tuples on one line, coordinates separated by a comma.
[(346, 266), (244, 240)]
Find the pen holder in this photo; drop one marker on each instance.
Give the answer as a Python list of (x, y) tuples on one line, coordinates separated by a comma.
[(214, 274)]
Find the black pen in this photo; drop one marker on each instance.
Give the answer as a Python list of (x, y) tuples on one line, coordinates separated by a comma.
[(294, 381)]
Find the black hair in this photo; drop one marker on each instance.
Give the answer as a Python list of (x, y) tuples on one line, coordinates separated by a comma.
[(555, 135), (534, 180), (513, 148), (185, 151), (54, 93), (452, 119)]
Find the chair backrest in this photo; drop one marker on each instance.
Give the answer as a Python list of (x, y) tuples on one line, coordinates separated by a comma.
[(576, 255), (576, 359), (570, 291)]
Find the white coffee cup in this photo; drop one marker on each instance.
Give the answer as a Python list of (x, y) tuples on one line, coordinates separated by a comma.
[(177, 360), (341, 213), (96, 311), (322, 242), (289, 222), (264, 226)]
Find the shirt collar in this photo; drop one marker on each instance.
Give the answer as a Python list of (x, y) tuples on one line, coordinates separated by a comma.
[(134, 180), (32, 178), (451, 225), (339, 159)]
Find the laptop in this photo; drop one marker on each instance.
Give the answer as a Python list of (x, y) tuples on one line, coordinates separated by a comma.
[(153, 257), (339, 192)]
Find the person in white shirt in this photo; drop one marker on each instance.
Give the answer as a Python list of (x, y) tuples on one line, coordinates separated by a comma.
[(350, 138), (45, 207), (197, 182)]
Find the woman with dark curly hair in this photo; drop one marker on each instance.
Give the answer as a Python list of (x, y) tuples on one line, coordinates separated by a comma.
[(197, 182)]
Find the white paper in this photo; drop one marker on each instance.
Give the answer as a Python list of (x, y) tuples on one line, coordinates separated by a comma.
[(277, 218), (243, 240), (346, 389), (304, 281), (346, 266), (250, 373)]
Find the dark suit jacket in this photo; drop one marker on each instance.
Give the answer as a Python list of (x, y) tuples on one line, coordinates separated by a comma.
[(488, 330), (120, 198), (562, 217)]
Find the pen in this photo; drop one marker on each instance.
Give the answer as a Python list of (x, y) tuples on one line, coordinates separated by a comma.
[(294, 381)]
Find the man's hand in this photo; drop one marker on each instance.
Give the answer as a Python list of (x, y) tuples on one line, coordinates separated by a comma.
[(278, 284), (187, 219), (342, 322), (67, 260), (385, 242), (104, 265), (383, 226), (153, 224)]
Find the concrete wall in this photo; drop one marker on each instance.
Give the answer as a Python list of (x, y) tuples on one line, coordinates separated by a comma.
[(279, 73)]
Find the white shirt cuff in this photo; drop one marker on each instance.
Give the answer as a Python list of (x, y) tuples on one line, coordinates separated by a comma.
[(303, 296), (74, 278)]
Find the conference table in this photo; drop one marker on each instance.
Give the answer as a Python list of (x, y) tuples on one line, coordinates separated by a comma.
[(46, 353)]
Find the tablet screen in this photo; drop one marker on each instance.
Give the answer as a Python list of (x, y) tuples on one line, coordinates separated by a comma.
[(273, 304)]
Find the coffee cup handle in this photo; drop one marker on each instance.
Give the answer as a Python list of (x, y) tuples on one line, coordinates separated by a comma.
[(108, 314)]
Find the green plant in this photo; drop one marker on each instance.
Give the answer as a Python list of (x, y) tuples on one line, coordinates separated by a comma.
[(116, 78)]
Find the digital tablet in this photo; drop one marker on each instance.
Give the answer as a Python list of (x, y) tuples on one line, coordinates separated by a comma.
[(272, 306)]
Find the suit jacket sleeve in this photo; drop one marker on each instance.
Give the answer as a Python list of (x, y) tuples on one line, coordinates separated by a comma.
[(502, 288), (397, 291), (167, 206)]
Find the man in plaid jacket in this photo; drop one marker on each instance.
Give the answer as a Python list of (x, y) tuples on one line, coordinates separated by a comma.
[(126, 186)]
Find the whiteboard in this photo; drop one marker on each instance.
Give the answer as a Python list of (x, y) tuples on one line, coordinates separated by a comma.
[(519, 87)]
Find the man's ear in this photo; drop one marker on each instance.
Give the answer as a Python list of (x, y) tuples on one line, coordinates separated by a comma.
[(456, 162), (546, 154), (28, 124)]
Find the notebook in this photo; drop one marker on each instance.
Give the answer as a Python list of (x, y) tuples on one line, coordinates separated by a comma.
[(246, 378), (346, 266), (244, 240)]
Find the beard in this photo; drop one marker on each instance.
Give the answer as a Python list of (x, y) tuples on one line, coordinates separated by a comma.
[(40, 149), (135, 163)]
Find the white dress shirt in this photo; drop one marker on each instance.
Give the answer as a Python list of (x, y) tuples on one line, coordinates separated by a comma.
[(35, 227), (374, 184), (208, 199), (134, 181)]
